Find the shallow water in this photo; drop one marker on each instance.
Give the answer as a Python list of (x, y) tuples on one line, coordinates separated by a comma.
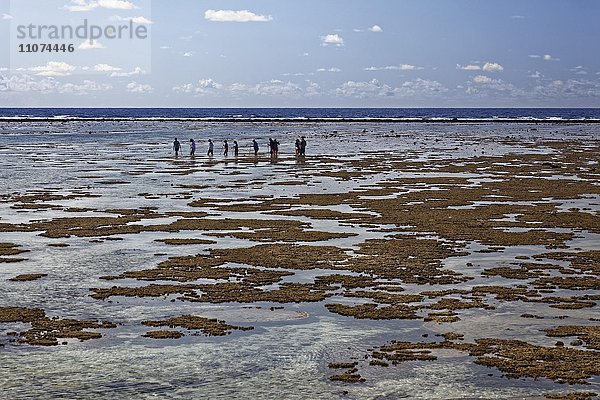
[(287, 353)]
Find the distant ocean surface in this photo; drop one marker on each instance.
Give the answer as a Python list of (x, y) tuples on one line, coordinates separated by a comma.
[(335, 114)]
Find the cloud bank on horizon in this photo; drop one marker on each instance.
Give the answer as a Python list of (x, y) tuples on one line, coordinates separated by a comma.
[(270, 53)]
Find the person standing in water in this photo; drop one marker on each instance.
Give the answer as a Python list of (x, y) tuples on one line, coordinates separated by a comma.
[(192, 147), (225, 148), (303, 146), (176, 147), (236, 148), (297, 147), (211, 148), (255, 146), (276, 145), (271, 147)]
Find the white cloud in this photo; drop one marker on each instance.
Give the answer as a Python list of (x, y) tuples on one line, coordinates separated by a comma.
[(27, 83), (401, 67), (517, 17), (83, 5), (135, 87), (420, 87), (482, 79), (536, 75), (470, 67), (545, 57), (117, 4), (408, 67), (83, 88), (105, 68), (487, 86), (333, 39), (188, 54), (376, 29), (184, 88), (492, 67), (273, 87), (136, 20), (165, 47), (136, 71), (235, 16), (572, 88), (6, 16), (209, 84), (313, 89), (203, 86), (53, 68), (372, 88), (91, 45), (332, 69)]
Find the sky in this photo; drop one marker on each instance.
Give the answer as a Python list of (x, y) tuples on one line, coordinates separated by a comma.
[(291, 53)]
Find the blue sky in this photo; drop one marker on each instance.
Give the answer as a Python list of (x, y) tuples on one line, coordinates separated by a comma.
[(328, 53)]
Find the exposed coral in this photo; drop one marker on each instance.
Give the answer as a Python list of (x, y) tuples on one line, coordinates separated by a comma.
[(208, 326)]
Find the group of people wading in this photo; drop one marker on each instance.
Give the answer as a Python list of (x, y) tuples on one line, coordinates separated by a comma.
[(273, 147)]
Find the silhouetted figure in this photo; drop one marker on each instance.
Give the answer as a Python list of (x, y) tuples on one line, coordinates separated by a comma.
[(297, 147), (236, 148), (255, 146), (192, 147), (225, 148), (276, 147), (211, 148), (303, 146), (176, 147), (271, 147)]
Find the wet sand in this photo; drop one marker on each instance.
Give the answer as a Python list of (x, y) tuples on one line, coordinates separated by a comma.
[(398, 259)]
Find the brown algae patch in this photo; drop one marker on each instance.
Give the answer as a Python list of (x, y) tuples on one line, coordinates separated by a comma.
[(10, 249), (349, 376), (284, 235), (515, 358), (20, 314), (324, 214), (571, 396), (288, 292), (192, 268), (374, 311), (588, 334), (166, 334), (46, 331), (27, 277), (289, 256), (407, 258), (208, 326), (442, 317), (144, 291)]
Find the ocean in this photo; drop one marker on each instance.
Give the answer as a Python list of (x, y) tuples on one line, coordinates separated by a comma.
[(396, 114)]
